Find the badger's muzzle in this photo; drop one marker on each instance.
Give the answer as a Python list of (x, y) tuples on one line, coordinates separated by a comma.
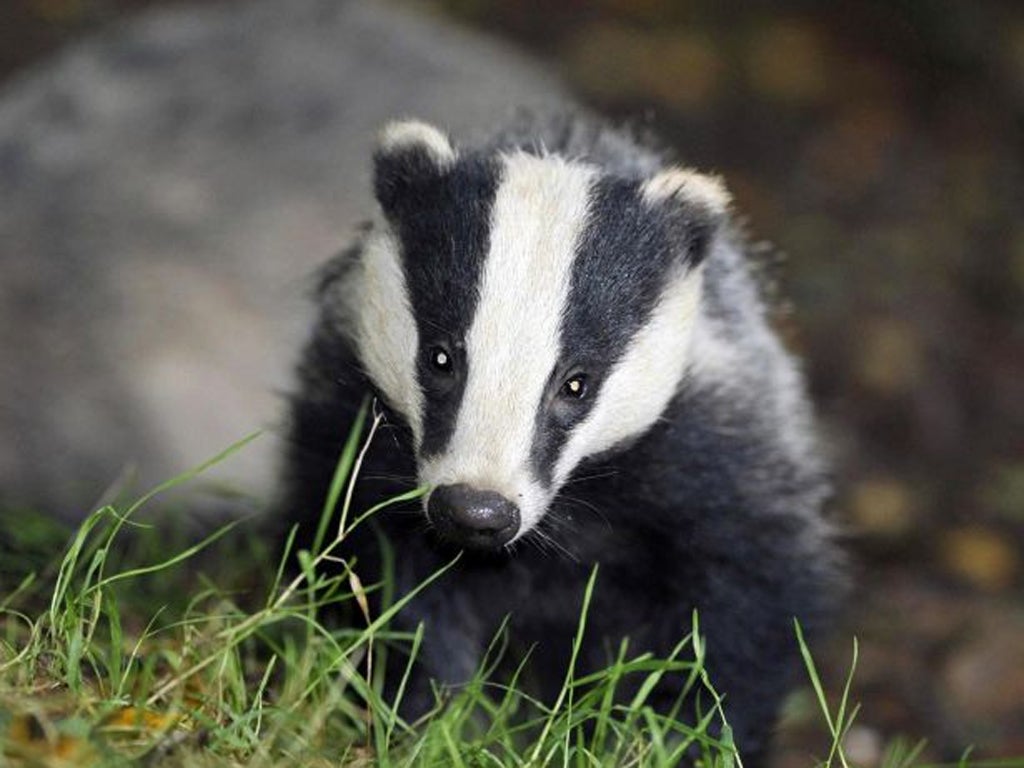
[(473, 518)]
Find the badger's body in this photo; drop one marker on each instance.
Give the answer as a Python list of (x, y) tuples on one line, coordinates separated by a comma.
[(571, 353)]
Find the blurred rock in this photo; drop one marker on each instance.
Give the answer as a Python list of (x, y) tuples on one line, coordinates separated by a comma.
[(980, 556), (169, 187)]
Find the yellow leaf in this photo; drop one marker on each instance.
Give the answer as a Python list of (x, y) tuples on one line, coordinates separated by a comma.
[(360, 594)]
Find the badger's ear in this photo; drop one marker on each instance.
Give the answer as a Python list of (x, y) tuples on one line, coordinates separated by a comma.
[(696, 203), (408, 153)]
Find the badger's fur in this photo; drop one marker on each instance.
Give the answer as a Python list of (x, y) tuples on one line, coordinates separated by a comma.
[(571, 353)]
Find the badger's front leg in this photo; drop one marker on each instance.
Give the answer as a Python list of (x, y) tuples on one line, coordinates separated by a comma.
[(454, 639)]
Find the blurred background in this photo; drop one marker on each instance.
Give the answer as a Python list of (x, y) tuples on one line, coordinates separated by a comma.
[(877, 147)]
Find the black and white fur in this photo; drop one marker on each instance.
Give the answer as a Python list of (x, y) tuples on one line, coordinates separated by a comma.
[(688, 469)]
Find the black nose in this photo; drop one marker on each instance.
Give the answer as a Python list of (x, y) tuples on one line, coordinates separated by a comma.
[(473, 518)]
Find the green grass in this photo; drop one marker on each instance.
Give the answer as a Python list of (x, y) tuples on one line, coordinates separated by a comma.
[(124, 653), (130, 651)]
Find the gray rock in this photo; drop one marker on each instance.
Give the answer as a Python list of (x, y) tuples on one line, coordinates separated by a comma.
[(167, 189)]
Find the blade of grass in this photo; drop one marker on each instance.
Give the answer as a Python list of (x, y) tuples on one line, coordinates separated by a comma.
[(341, 474), (566, 685), (835, 727)]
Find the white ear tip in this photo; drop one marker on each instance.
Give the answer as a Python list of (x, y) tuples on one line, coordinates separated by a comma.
[(689, 186), (409, 134)]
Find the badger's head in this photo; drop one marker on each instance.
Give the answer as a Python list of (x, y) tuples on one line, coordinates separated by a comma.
[(522, 313)]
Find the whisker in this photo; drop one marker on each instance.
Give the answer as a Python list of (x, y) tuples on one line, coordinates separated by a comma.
[(529, 540), (597, 475), (587, 505), (541, 536)]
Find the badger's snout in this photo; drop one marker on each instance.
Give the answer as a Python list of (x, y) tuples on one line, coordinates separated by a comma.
[(473, 518)]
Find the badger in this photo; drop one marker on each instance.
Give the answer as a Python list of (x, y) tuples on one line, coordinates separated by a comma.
[(569, 348)]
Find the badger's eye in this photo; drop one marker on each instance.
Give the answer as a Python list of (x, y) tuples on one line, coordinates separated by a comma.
[(575, 387), (441, 360)]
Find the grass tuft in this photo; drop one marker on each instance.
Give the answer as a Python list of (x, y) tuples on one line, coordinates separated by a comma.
[(215, 654)]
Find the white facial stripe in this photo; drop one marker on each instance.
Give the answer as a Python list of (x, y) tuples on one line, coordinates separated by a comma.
[(642, 383), (385, 329), (539, 211)]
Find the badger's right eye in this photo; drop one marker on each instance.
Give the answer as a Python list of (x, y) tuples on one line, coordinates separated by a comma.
[(441, 360)]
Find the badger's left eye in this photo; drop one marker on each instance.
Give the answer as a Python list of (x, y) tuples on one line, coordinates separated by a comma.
[(441, 359), (575, 387)]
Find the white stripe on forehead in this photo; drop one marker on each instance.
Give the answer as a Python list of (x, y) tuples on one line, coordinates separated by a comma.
[(539, 211), (644, 380)]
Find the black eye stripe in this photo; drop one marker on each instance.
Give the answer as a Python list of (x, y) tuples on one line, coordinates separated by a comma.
[(444, 244)]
